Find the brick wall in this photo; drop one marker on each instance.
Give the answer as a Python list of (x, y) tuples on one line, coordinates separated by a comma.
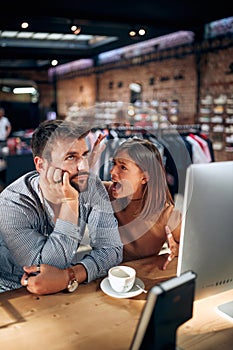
[(216, 77), (165, 86), (79, 90)]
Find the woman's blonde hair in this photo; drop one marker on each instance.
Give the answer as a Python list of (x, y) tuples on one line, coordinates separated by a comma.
[(148, 158)]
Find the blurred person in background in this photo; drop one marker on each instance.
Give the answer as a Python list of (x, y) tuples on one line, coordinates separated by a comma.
[(5, 127)]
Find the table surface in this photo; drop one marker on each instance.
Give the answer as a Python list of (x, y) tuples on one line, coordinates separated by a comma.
[(89, 319)]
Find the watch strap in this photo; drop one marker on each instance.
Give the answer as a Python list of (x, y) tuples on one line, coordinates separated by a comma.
[(71, 274)]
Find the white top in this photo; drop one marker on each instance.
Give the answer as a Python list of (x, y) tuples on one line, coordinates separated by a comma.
[(4, 123)]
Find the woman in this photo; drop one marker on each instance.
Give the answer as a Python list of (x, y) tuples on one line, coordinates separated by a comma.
[(142, 202)]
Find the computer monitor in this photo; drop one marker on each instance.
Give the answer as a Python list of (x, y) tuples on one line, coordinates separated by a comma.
[(206, 240)]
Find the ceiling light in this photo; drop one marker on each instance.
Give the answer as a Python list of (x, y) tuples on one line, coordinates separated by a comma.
[(75, 29), (40, 36), (6, 89), (24, 35), (132, 33), (24, 25), (8, 34), (24, 90), (55, 36), (54, 62), (141, 31)]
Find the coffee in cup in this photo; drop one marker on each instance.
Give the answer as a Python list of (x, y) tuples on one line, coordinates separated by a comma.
[(121, 278)]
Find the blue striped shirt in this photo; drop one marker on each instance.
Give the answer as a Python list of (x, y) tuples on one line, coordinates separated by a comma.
[(29, 236)]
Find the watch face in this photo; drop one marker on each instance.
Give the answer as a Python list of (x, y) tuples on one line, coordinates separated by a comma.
[(72, 286)]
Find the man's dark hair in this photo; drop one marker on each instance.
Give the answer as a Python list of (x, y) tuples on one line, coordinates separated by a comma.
[(49, 131)]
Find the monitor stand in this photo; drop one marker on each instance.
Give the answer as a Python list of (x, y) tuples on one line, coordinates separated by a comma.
[(227, 309)]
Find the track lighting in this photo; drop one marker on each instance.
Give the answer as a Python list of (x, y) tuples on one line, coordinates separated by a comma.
[(24, 90)]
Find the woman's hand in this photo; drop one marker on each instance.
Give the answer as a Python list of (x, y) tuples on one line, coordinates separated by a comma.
[(97, 150), (173, 247)]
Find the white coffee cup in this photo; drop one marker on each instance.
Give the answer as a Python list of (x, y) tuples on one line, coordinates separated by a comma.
[(121, 278)]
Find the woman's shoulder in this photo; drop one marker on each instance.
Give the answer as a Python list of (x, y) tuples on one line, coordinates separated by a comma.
[(174, 217), (171, 213)]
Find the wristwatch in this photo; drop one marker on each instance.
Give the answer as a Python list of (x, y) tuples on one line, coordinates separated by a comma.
[(73, 281)]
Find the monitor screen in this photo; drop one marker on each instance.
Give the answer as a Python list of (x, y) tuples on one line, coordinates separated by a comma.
[(207, 229)]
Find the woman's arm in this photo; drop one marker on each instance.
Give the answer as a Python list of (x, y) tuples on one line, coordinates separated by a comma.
[(97, 150)]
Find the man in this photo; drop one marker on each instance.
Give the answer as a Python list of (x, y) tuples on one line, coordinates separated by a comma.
[(5, 126), (44, 214)]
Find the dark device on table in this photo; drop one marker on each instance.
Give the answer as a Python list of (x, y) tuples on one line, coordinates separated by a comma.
[(169, 304)]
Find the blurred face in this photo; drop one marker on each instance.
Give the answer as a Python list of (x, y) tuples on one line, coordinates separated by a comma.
[(128, 179), (71, 156)]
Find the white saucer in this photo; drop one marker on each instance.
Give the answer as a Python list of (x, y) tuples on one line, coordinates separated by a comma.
[(107, 289)]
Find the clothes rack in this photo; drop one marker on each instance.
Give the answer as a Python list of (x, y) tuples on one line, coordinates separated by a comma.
[(173, 142)]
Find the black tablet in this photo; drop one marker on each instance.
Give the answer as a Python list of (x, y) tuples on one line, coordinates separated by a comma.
[(169, 304)]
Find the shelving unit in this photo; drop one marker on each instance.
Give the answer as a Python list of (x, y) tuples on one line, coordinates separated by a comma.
[(216, 119), (165, 111), (155, 113)]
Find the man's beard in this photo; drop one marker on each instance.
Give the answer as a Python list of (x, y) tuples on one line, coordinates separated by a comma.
[(83, 185)]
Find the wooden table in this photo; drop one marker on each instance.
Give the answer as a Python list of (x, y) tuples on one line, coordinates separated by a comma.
[(88, 319)]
